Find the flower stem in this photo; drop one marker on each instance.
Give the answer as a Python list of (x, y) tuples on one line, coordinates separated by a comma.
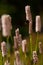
[(2, 61), (41, 60), (36, 42), (31, 46)]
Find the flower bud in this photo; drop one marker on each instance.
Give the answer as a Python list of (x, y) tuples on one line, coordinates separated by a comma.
[(6, 25), (35, 58), (24, 45), (28, 13), (40, 47), (3, 48), (38, 23)]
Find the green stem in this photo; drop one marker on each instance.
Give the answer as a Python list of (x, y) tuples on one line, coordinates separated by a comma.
[(31, 45), (2, 61), (26, 58), (11, 49), (8, 44), (36, 42), (41, 60), (7, 40)]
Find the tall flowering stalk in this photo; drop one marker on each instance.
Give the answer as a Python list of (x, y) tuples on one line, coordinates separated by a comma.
[(29, 18), (38, 29), (30, 35)]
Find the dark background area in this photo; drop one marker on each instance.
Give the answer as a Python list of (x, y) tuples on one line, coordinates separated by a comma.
[(16, 8)]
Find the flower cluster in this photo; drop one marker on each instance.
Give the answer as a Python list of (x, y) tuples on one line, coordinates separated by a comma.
[(35, 57), (38, 23), (6, 25)]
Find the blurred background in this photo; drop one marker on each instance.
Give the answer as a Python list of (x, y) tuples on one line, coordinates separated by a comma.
[(16, 8)]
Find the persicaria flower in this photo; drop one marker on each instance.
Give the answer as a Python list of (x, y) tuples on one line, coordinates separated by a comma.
[(6, 25), (38, 23), (24, 45), (35, 57), (40, 47), (28, 13), (3, 48)]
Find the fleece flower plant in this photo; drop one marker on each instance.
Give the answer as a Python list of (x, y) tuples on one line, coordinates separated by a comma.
[(20, 45)]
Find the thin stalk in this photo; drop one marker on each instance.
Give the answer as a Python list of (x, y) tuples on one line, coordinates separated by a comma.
[(7, 41), (2, 61), (26, 58), (31, 46), (36, 41), (41, 60), (8, 49), (11, 44)]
